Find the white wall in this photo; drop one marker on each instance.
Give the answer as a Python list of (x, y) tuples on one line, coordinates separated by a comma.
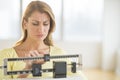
[(111, 33)]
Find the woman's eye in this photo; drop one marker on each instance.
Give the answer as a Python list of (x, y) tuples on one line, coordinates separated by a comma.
[(35, 24), (46, 24)]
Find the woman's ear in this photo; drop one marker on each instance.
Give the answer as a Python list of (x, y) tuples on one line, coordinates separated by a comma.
[(25, 24)]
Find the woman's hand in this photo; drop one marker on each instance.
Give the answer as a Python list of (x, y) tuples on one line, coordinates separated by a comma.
[(34, 53), (29, 63)]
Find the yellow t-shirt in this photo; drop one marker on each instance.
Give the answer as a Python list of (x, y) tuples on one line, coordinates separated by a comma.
[(19, 65)]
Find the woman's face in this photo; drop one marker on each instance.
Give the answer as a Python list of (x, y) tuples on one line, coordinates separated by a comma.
[(38, 26)]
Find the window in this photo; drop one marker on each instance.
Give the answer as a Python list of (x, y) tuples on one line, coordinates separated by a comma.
[(9, 19), (82, 20)]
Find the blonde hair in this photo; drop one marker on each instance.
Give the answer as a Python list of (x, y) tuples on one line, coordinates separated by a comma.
[(43, 8)]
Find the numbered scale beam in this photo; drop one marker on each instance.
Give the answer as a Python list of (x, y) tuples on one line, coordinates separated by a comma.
[(27, 71), (46, 57)]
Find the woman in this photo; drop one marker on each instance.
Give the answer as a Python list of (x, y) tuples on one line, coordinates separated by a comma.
[(38, 23)]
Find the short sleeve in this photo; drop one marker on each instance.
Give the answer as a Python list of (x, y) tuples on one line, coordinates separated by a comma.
[(3, 54)]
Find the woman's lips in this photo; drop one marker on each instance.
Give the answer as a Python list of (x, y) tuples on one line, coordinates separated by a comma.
[(41, 35)]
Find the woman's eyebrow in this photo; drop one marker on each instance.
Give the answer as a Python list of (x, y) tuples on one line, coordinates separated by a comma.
[(47, 21), (43, 21)]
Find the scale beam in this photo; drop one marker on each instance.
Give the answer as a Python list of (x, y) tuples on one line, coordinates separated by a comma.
[(59, 68)]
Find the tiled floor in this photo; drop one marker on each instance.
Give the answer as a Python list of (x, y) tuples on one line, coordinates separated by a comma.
[(97, 74)]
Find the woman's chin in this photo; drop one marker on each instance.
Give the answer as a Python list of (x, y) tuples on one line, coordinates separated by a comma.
[(39, 39)]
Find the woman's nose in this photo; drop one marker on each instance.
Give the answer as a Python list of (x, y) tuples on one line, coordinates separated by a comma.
[(41, 28)]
